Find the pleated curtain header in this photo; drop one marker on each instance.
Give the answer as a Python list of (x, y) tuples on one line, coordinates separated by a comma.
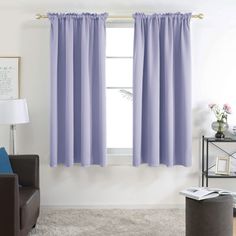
[(105, 15), (162, 15), (102, 16)]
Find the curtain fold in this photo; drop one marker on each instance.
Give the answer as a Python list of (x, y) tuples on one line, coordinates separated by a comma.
[(78, 89), (162, 90)]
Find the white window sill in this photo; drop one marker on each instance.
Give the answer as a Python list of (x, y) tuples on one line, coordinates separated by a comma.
[(119, 159)]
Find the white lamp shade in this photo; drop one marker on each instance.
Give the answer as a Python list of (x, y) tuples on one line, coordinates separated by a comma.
[(13, 111)]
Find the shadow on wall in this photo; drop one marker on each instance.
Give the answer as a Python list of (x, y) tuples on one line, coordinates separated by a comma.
[(201, 120), (35, 87)]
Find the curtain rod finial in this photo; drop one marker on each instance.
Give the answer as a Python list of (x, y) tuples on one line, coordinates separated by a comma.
[(38, 16), (201, 16)]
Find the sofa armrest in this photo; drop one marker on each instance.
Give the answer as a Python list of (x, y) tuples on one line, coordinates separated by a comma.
[(27, 169), (9, 205)]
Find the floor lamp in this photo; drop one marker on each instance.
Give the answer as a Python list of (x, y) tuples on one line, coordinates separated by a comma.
[(13, 112)]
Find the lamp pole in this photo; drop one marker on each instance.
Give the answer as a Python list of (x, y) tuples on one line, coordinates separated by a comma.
[(13, 139)]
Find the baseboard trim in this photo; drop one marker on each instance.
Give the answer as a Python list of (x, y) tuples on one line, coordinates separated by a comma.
[(141, 206)]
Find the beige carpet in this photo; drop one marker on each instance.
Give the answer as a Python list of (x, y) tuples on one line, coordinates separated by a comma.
[(93, 222)]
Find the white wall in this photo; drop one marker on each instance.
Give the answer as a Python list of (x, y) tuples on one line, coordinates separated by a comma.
[(214, 79)]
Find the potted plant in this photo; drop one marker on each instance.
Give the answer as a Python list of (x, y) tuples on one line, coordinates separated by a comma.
[(221, 114)]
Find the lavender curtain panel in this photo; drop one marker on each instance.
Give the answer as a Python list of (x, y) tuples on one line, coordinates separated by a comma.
[(162, 90), (78, 89)]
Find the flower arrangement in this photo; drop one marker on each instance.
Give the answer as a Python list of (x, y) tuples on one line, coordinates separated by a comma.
[(221, 113)]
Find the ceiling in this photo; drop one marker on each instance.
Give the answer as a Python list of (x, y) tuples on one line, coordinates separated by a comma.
[(120, 5), (215, 7)]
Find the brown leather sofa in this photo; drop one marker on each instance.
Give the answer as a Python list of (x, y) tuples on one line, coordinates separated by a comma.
[(20, 196)]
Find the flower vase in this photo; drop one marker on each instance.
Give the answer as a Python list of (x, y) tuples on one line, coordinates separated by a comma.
[(220, 127)]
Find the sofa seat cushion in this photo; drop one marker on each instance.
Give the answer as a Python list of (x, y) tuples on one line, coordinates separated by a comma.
[(29, 206)]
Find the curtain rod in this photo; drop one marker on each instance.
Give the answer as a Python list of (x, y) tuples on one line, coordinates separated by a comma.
[(41, 16)]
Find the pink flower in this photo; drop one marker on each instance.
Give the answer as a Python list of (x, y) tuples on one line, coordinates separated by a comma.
[(211, 105), (227, 108)]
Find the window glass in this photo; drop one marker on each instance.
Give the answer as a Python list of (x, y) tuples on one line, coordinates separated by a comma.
[(119, 42), (119, 118), (119, 72), (119, 100)]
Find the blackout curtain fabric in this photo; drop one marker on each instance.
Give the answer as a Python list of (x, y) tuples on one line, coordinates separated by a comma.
[(162, 90), (78, 89)]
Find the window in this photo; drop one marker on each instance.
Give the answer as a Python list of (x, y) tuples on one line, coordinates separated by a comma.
[(119, 69)]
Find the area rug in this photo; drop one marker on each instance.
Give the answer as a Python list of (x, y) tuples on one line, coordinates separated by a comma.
[(109, 222)]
